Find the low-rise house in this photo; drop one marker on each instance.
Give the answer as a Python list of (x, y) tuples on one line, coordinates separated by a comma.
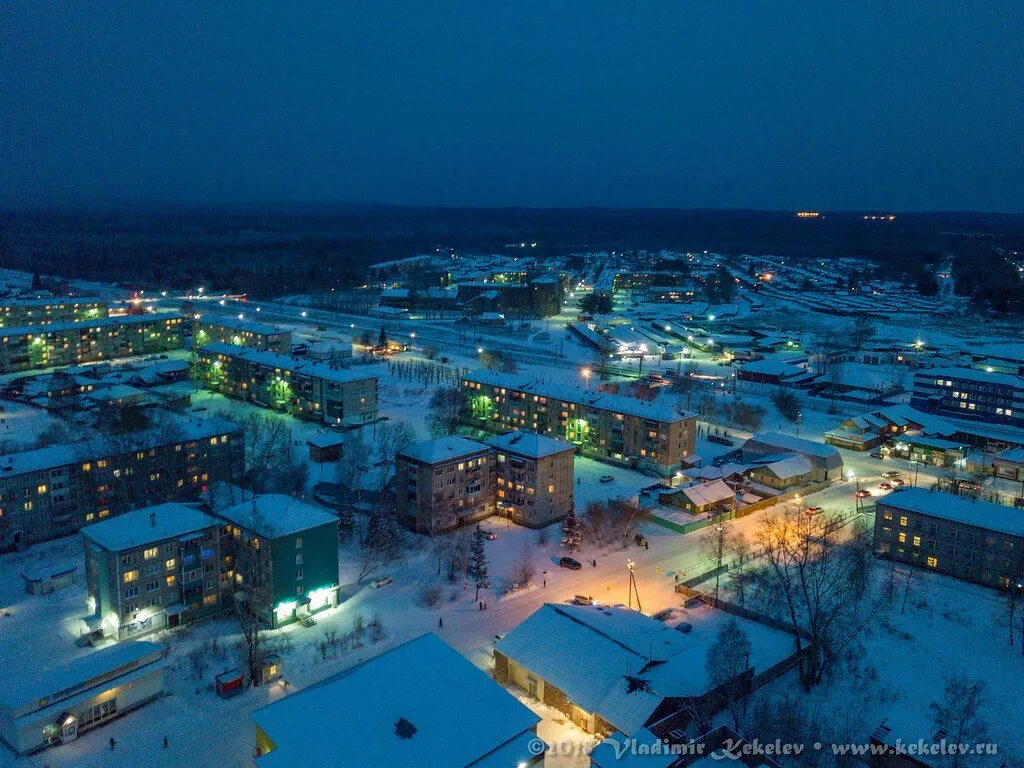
[(45, 704), (43, 581), (151, 569), (713, 497), (306, 389), (783, 474), (59, 344), (610, 668), (1009, 464), (972, 540), (933, 451), (282, 554), (241, 333), (54, 491), (325, 447), (533, 483), (771, 370), (825, 460), (420, 704)]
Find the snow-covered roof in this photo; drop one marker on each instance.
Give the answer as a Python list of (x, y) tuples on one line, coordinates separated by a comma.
[(597, 654), (776, 442), (958, 509), (794, 466), (47, 301), (102, 322), (273, 515), (1011, 455), (459, 714), (250, 326), (447, 448), (709, 493), (529, 444), (23, 684), (972, 374), (148, 525), (771, 366), (284, 362)]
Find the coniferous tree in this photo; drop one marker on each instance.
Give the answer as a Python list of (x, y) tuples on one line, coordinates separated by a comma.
[(572, 534), (478, 562)]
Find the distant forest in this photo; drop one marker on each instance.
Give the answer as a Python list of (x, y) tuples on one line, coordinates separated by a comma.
[(267, 251)]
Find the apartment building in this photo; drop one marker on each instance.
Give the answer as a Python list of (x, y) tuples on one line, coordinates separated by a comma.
[(971, 540), (55, 491), (283, 553), (444, 484), (58, 344), (241, 333), (969, 393), (15, 313), (533, 478), (151, 569), (613, 428), (306, 389)]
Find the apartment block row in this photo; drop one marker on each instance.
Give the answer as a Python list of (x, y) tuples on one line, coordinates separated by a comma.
[(55, 491), (452, 481), (73, 343), (969, 393), (972, 540), (167, 565), (241, 333), (306, 389), (15, 313), (613, 428)]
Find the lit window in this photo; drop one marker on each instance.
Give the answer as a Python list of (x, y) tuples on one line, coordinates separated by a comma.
[(932, 562), (150, 553), (169, 564), (130, 576), (903, 520), (171, 580), (902, 537)]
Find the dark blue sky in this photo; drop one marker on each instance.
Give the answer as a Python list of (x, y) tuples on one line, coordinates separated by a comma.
[(907, 105)]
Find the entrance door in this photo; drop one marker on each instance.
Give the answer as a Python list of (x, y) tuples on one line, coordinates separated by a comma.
[(69, 729)]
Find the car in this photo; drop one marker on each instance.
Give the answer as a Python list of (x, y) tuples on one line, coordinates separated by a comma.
[(892, 473), (383, 581), (885, 486), (863, 493), (876, 455), (606, 478), (640, 539), (582, 600), (489, 535), (898, 482), (812, 511), (571, 563)]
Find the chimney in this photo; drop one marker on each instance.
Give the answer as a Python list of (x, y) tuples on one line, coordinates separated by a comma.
[(152, 519)]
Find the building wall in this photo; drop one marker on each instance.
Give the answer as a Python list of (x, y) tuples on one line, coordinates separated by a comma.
[(60, 500), (207, 331), (16, 314), (951, 395), (534, 492), (89, 343), (963, 551), (446, 495)]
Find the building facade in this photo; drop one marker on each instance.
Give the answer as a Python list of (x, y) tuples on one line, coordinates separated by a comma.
[(55, 491), (15, 313), (972, 540), (613, 428), (241, 333), (533, 478), (151, 569), (59, 344), (306, 389), (967, 393)]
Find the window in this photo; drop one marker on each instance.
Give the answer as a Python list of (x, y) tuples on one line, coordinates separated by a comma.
[(209, 599), (932, 562), (130, 576), (917, 541), (170, 563), (298, 559), (41, 489), (298, 542), (150, 553), (903, 520), (171, 580), (902, 538)]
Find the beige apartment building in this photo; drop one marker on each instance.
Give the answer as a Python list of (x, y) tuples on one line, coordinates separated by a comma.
[(612, 428), (533, 478), (241, 333)]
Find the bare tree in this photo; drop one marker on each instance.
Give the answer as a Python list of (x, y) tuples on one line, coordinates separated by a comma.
[(625, 516), (959, 716), (522, 571), (727, 662), (445, 410)]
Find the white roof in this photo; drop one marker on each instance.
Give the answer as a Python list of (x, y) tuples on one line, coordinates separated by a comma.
[(102, 322), (959, 509), (234, 324), (776, 442), (709, 493), (529, 444), (148, 525), (972, 374), (461, 716), (274, 514), (446, 448), (284, 362), (794, 466)]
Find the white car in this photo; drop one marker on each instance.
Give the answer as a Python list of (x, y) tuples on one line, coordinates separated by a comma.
[(606, 478), (383, 581)]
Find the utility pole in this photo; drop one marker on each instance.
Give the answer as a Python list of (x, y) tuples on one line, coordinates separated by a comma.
[(632, 586), (799, 422)]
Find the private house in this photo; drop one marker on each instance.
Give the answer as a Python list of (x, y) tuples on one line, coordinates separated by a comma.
[(933, 451), (613, 428), (444, 484), (15, 313), (306, 389), (711, 498), (241, 333), (151, 569), (60, 344), (968, 393), (533, 483), (826, 462), (325, 447), (971, 540), (51, 492), (400, 709), (783, 474), (777, 371), (45, 703), (610, 668), (869, 430), (1009, 464), (282, 553)]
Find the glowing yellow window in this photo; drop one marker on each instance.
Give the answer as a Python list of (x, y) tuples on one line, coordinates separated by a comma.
[(150, 553), (41, 489), (917, 541), (902, 538), (932, 562), (903, 520), (169, 564), (130, 576), (171, 580)]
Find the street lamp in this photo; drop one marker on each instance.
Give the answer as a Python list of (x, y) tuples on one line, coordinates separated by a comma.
[(586, 377), (632, 585), (479, 350)]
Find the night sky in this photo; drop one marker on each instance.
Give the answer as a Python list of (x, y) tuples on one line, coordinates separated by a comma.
[(903, 105)]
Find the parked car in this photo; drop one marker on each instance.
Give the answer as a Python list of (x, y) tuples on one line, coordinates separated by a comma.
[(863, 493), (876, 455), (812, 511), (885, 486), (489, 535), (606, 478), (898, 482), (892, 473), (383, 581), (571, 563), (583, 600), (693, 602)]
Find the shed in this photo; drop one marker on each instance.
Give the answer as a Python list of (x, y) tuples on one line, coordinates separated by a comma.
[(47, 580), (325, 447)]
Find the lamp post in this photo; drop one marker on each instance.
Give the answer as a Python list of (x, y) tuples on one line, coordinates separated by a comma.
[(632, 585), (586, 377)]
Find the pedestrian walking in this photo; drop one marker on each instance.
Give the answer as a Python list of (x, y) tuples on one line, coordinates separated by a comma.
[(112, 743), (165, 742), (440, 622)]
